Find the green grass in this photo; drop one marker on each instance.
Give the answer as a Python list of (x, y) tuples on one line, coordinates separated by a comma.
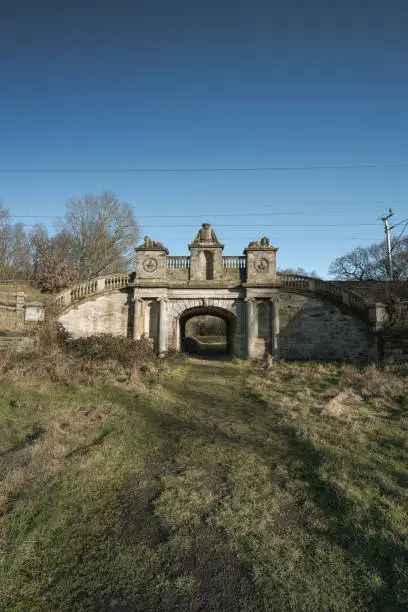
[(211, 345), (224, 487)]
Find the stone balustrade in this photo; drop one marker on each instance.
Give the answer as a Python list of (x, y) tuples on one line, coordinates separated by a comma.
[(84, 289), (177, 262), (116, 281), (230, 263), (91, 287), (234, 261), (324, 288)]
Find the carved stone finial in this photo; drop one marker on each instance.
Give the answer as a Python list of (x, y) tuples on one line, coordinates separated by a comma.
[(149, 244), (262, 242), (206, 235)]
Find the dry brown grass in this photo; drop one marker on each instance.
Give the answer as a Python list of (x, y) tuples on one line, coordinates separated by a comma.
[(224, 487), (55, 358)]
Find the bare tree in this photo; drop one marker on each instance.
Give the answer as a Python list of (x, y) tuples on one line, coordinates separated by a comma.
[(4, 213), (299, 270), (52, 268), (371, 263), (41, 250), (102, 233), (14, 252)]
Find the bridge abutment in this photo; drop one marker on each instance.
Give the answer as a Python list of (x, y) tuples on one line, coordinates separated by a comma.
[(286, 315)]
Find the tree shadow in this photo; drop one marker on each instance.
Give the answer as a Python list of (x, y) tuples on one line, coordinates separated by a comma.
[(364, 539)]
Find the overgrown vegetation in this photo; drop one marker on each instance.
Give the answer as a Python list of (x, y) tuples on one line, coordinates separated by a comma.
[(57, 358), (217, 486)]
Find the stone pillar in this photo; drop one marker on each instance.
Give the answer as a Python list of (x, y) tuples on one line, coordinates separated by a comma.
[(250, 326), (138, 326), (377, 315), (20, 300), (163, 326), (275, 328)]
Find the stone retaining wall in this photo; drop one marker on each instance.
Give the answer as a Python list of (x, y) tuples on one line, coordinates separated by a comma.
[(314, 328), (394, 345), (11, 320), (107, 314), (17, 343)]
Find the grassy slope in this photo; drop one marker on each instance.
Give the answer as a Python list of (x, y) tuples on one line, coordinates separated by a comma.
[(31, 293), (223, 489)]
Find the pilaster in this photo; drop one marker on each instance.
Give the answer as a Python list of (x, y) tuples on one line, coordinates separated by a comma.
[(138, 323), (163, 325), (250, 326), (275, 327)]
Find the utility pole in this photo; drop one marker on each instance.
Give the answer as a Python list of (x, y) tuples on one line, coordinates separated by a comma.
[(387, 233)]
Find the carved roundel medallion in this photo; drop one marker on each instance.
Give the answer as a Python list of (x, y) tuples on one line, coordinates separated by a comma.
[(150, 264), (261, 264)]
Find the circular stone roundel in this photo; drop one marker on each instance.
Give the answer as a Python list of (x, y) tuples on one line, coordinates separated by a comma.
[(261, 265), (150, 264)]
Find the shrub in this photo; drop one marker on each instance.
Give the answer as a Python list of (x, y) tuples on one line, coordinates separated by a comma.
[(103, 347), (58, 358)]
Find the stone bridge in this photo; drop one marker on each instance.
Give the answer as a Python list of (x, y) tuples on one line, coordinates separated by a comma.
[(288, 315)]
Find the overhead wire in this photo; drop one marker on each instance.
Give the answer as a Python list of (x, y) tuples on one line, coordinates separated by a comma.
[(398, 240), (351, 166), (218, 215)]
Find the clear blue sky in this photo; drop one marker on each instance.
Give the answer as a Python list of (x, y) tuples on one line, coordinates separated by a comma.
[(202, 84)]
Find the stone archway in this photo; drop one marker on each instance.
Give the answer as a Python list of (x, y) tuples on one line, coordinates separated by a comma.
[(226, 315)]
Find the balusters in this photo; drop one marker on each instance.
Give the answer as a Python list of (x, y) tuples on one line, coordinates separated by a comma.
[(177, 262), (323, 288), (92, 286), (234, 261)]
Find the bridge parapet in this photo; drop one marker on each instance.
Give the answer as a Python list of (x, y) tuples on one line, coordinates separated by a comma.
[(324, 288), (88, 288), (234, 261), (176, 262)]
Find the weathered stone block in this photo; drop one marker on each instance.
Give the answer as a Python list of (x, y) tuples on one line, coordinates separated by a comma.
[(34, 312), (261, 264), (106, 314)]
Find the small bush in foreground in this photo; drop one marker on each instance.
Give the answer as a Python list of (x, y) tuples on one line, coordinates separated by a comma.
[(57, 358), (104, 347)]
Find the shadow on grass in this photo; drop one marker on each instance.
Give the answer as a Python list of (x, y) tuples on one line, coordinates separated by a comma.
[(379, 552), (363, 536)]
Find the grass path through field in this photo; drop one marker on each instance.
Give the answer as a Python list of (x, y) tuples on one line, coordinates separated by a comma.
[(221, 488)]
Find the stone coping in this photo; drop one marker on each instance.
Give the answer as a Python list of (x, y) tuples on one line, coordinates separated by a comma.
[(152, 248), (204, 245), (261, 248), (187, 285)]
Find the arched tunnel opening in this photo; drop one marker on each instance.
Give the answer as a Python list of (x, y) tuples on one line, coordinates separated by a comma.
[(207, 332)]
